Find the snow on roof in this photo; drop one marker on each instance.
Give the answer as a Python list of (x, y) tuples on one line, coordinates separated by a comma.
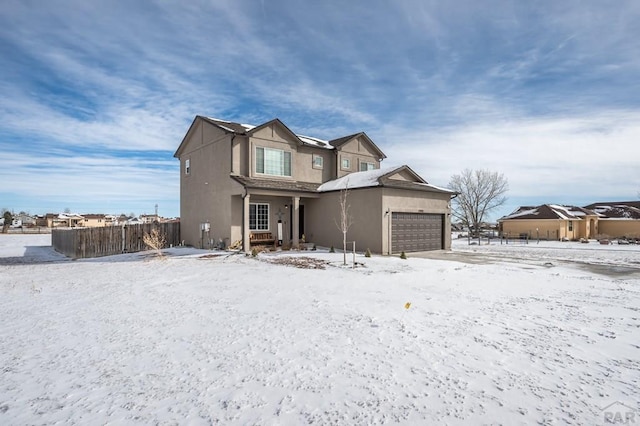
[(309, 140), (315, 141), (356, 180), (518, 212), (439, 188), (562, 211), (219, 122), (70, 216)]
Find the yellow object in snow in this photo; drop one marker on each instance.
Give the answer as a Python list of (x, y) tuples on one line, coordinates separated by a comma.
[(407, 305)]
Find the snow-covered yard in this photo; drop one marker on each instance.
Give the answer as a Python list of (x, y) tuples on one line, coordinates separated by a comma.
[(511, 335)]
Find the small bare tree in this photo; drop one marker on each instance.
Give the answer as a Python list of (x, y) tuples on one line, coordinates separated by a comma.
[(346, 220), (155, 240), (479, 192)]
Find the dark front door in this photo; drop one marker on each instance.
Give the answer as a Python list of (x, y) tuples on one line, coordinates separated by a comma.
[(300, 221)]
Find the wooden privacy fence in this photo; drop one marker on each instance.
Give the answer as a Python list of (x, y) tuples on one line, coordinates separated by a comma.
[(80, 243)]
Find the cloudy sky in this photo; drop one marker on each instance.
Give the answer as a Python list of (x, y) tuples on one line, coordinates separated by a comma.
[(95, 96)]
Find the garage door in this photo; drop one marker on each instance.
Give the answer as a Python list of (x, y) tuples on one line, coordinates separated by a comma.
[(416, 232)]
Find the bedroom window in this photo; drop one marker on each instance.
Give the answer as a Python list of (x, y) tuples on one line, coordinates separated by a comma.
[(317, 162), (364, 166), (274, 162), (259, 216), (346, 164)]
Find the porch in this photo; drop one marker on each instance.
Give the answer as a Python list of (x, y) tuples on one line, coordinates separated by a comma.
[(273, 220)]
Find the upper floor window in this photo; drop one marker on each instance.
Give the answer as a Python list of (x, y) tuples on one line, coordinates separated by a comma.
[(364, 166), (346, 164), (187, 166), (275, 162), (317, 161)]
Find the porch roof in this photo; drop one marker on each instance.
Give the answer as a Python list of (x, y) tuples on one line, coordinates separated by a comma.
[(276, 185)]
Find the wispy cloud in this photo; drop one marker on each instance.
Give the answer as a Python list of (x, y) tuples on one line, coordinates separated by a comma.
[(545, 91)]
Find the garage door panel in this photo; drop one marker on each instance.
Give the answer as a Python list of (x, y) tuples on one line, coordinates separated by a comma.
[(416, 232)]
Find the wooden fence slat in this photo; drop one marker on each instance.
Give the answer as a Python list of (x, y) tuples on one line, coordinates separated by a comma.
[(79, 243)]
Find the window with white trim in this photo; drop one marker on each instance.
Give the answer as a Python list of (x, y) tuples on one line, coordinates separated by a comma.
[(317, 161), (346, 164), (259, 216), (570, 225), (187, 166), (364, 166), (274, 162)]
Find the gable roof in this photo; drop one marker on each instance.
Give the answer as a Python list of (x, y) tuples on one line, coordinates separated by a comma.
[(337, 143), (248, 129), (549, 211), (381, 177)]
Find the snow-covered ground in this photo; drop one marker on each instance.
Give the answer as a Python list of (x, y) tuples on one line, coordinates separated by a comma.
[(511, 335)]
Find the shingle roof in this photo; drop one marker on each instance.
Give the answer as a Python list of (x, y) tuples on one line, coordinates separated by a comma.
[(276, 185), (237, 128), (549, 211), (617, 211)]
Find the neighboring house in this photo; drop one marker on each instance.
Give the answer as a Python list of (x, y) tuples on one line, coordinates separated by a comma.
[(62, 220), (266, 184), (150, 218), (550, 222), (23, 220), (554, 222), (134, 221), (94, 220), (618, 219)]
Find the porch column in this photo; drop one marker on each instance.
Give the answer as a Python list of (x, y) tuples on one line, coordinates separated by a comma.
[(245, 225), (295, 225)]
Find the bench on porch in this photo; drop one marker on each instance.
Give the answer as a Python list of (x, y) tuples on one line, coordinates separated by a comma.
[(261, 238)]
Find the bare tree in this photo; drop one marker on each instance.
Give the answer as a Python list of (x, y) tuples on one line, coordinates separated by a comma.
[(480, 191), (346, 220)]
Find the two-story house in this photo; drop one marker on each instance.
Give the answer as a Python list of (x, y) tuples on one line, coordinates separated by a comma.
[(266, 184)]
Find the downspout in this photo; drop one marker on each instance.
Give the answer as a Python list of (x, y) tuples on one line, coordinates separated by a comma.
[(243, 229)]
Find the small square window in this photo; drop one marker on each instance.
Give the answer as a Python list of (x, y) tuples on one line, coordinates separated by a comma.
[(187, 166), (317, 161), (346, 164)]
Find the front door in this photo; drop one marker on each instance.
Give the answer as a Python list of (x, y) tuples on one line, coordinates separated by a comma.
[(300, 221)]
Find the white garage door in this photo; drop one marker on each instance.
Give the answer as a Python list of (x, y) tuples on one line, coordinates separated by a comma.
[(416, 232)]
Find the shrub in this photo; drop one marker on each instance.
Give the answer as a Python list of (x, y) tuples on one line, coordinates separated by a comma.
[(332, 250), (403, 256), (254, 252), (155, 240), (367, 253)]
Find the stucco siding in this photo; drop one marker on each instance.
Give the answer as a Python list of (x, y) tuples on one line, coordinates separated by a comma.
[(550, 229), (365, 210), (616, 228), (400, 200), (304, 169), (205, 191), (356, 151)]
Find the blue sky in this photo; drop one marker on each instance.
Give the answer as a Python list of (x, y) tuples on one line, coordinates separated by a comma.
[(96, 96)]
